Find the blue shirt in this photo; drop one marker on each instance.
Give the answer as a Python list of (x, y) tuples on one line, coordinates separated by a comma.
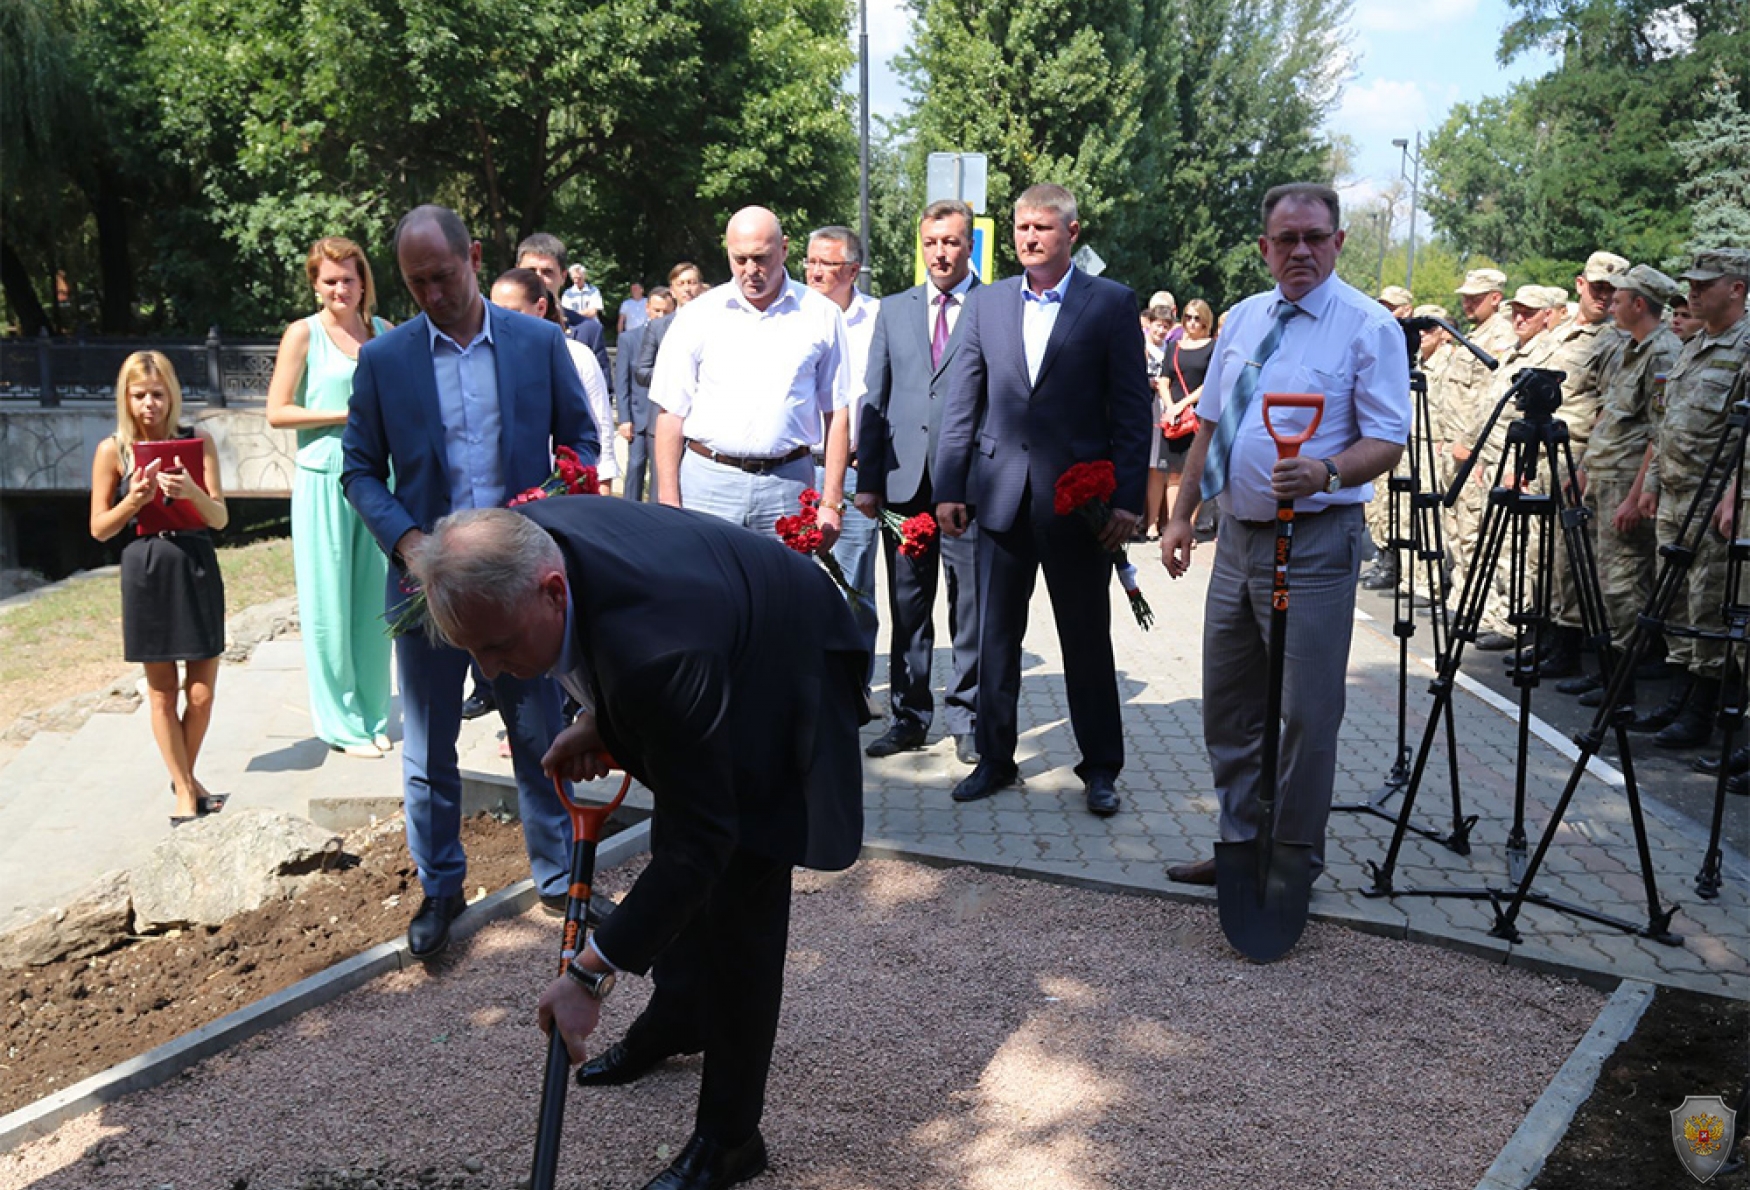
[(467, 387), (1039, 313)]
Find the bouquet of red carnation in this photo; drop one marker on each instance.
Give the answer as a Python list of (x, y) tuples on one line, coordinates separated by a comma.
[(911, 534), (802, 534), (571, 477), (1087, 488)]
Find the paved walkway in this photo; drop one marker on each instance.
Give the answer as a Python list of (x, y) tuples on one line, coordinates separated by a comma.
[(73, 806)]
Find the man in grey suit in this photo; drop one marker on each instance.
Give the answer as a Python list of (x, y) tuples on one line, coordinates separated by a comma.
[(636, 416), (915, 339)]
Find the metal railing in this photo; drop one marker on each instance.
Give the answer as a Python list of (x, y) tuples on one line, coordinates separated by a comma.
[(47, 370)]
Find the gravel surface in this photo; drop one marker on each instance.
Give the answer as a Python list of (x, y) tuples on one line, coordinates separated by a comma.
[(942, 1028)]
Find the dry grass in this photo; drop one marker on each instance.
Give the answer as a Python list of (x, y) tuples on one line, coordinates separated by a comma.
[(69, 641)]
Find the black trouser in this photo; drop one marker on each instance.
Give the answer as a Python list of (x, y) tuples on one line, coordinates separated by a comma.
[(718, 988)]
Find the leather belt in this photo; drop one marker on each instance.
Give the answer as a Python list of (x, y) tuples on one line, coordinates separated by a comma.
[(751, 466)]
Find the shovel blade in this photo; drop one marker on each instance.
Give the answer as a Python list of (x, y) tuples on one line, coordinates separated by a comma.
[(1263, 910)]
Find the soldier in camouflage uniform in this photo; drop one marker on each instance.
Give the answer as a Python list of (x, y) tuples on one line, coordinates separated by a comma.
[(1383, 574), (1582, 347), (1534, 309), (1634, 380), (1468, 381), (1707, 378)]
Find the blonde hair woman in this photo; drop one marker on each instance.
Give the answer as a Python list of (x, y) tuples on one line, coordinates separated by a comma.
[(173, 597), (340, 569)]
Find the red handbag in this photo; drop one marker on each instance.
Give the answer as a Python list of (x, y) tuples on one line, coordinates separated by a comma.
[(1184, 423)]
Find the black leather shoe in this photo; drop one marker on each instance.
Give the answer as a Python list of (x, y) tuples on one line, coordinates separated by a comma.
[(1102, 796), (616, 1066), (706, 1165), (429, 931), (986, 779), (1584, 684), (901, 737), (1201, 872), (966, 748), (478, 703), (1738, 762)]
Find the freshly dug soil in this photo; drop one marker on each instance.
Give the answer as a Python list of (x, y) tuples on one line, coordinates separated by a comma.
[(69, 1020), (942, 1029), (1686, 1044)]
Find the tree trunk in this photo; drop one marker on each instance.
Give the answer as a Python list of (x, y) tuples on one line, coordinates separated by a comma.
[(20, 293), (114, 261)]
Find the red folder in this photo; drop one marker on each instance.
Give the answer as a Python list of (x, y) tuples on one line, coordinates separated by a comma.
[(161, 515)]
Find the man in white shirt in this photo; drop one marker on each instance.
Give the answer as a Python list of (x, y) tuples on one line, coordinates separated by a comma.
[(634, 311), (580, 296), (1312, 333), (835, 254), (748, 375)]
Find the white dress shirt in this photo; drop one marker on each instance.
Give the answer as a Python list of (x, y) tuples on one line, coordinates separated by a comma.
[(595, 391), (754, 383), (1039, 313), (859, 335), (1344, 345)]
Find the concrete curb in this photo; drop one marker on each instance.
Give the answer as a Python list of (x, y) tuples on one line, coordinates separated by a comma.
[(1547, 1122), (164, 1063)]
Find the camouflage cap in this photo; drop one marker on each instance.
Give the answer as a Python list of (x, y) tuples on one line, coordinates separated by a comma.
[(1649, 282), (1396, 295), (1604, 266), (1718, 262), (1482, 281), (1431, 311), (1539, 297)]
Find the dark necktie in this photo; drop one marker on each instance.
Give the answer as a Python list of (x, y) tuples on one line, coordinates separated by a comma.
[(939, 339), (1227, 430)]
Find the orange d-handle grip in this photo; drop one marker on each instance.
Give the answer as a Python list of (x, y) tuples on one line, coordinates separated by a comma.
[(587, 820), (1288, 445)]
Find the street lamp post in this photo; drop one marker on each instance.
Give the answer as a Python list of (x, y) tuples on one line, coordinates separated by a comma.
[(863, 138), (1410, 170)]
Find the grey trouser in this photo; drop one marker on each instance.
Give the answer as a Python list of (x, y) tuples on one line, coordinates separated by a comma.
[(1323, 566)]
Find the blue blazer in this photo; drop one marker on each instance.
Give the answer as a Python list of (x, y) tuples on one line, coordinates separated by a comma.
[(1091, 401), (396, 468)]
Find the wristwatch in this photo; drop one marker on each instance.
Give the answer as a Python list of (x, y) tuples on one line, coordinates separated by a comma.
[(598, 984), (1335, 482)]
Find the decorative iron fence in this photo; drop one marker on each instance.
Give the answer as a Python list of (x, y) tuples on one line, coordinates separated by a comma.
[(46, 371)]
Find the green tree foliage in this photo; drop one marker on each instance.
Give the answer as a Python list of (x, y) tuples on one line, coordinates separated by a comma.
[(1168, 119), (1716, 165), (630, 128), (1585, 157)]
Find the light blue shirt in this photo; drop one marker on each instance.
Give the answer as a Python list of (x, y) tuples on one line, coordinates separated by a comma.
[(467, 387), (1039, 313)]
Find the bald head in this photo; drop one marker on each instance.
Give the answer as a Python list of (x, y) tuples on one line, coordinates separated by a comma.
[(757, 250)]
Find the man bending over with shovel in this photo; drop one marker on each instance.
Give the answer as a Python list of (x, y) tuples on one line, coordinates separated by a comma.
[(723, 671), (1311, 334)]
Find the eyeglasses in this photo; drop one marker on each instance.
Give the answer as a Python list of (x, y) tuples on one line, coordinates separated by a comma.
[(1287, 240), (816, 263)]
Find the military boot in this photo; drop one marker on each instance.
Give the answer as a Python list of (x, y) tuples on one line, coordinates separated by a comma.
[(1695, 726), (1563, 659), (1595, 697), (1384, 575), (1666, 714)]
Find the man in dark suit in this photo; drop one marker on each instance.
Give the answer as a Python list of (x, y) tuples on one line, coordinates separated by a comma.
[(459, 408), (726, 674), (545, 255), (637, 417), (1049, 373), (916, 335)]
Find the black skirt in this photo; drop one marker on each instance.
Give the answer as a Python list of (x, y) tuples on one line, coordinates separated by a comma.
[(173, 598)]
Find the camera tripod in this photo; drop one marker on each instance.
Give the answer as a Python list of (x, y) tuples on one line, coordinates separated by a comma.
[(1423, 547), (1521, 520)]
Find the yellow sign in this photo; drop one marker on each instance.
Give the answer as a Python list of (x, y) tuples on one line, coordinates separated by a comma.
[(984, 238)]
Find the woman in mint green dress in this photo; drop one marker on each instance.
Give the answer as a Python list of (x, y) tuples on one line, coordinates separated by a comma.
[(340, 569)]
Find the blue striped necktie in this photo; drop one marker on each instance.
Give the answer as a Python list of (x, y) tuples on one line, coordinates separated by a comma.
[(1240, 400)]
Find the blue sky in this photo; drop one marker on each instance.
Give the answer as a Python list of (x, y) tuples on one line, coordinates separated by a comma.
[(1411, 62)]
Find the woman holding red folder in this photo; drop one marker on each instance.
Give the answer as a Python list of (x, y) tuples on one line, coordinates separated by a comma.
[(155, 475)]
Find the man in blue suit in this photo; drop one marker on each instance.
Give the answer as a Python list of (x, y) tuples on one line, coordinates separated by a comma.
[(916, 336), (1048, 373), (458, 408), (637, 417)]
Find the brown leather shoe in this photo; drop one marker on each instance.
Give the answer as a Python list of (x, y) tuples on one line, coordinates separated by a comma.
[(1201, 872)]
